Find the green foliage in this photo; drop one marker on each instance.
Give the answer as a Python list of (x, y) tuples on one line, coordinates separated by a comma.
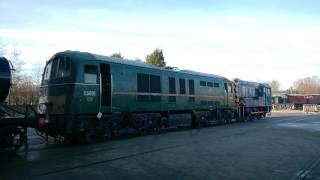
[(117, 55), (156, 58)]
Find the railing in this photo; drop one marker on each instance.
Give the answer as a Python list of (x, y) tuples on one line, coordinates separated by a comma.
[(282, 106), (311, 108)]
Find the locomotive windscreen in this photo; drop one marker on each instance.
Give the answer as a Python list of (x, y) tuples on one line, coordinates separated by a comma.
[(5, 78)]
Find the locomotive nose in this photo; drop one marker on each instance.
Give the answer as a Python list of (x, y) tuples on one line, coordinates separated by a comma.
[(5, 78)]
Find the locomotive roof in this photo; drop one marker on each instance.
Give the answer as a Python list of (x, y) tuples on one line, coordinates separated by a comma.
[(135, 63), (251, 83)]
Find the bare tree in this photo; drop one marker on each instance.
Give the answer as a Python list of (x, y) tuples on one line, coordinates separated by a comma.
[(16, 61), (291, 90), (25, 87), (25, 92), (36, 73), (307, 85), (275, 86)]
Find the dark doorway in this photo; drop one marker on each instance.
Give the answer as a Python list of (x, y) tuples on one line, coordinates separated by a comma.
[(105, 85)]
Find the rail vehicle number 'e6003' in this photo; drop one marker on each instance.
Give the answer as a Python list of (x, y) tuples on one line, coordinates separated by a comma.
[(89, 93)]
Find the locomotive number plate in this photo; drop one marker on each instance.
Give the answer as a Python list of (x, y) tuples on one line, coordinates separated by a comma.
[(89, 93)]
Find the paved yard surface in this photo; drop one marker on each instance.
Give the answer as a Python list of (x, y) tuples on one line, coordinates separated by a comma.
[(284, 146)]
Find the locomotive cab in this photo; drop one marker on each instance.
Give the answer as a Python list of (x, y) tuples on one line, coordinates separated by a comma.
[(55, 92), (73, 88)]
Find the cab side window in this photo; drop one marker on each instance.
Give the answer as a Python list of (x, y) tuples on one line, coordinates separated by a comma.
[(64, 67), (60, 68), (90, 74), (47, 71), (54, 67)]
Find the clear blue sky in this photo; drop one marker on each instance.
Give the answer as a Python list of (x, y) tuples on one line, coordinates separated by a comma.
[(253, 40)]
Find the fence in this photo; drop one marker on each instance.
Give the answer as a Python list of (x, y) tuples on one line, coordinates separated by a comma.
[(311, 108), (282, 106)]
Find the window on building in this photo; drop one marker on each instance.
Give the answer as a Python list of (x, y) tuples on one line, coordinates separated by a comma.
[(182, 83), (90, 74)]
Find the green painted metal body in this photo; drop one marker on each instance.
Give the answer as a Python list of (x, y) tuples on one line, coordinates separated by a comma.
[(71, 98)]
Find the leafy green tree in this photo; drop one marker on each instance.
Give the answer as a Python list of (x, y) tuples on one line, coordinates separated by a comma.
[(117, 55), (156, 58)]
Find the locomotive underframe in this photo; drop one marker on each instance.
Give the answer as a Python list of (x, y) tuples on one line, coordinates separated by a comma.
[(87, 128)]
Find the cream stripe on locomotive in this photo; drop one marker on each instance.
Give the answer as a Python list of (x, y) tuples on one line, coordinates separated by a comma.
[(139, 93), (163, 94)]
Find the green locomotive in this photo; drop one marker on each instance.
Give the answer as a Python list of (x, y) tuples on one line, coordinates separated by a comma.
[(84, 95)]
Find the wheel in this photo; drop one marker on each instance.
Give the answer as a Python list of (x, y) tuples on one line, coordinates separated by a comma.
[(196, 120), (259, 116), (88, 135), (11, 138)]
